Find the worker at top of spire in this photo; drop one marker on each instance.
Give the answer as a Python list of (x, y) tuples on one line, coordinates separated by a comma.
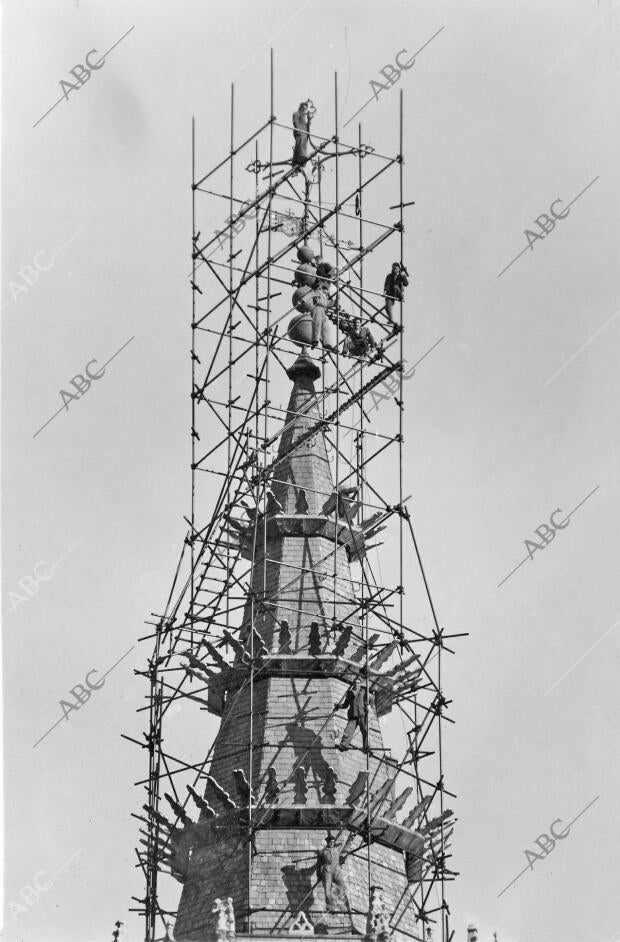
[(396, 281), (301, 123)]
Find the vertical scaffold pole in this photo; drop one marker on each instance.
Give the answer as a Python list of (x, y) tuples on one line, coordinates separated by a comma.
[(193, 389)]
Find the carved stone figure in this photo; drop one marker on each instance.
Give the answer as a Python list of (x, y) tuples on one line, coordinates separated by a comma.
[(329, 869), (225, 920)]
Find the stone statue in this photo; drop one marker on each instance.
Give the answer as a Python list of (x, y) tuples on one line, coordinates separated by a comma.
[(329, 869), (225, 920)]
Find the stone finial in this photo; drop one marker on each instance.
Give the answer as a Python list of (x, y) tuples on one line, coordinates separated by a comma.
[(225, 920), (244, 791), (314, 642), (378, 924), (284, 637), (329, 786), (301, 787), (301, 502), (272, 789)]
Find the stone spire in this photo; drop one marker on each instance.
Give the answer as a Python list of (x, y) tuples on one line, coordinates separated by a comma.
[(291, 859)]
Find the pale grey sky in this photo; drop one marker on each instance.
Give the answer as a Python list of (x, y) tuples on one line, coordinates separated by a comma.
[(514, 414)]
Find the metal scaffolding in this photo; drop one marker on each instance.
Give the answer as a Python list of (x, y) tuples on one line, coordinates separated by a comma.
[(239, 353)]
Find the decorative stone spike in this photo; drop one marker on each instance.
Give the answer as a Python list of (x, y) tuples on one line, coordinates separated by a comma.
[(178, 809), (360, 653), (273, 504), (378, 925), (221, 662), (202, 803), (235, 644), (197, 664), (384, 655), (437, 822), (358, 788), (378, 798), (260, 648), (343, 641), (417, 812), (220, 792), (243, 789), (397, 804)]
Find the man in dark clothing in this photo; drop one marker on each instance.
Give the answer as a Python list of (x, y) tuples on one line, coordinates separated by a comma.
[(301, 123), (395, 283), (358, 341), (359, 702)]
